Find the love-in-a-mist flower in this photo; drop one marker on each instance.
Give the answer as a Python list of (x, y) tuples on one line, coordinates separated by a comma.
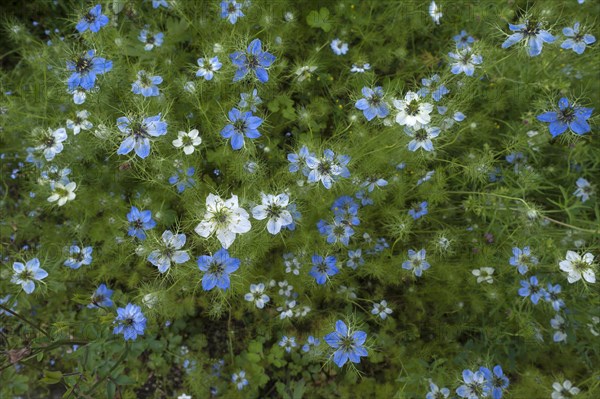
[(51, 142), (92, 20), (552, 296), (79, 257), (531, 288), (566, 390), (348, 345), (435, 12), (139, 222), (484, 275), (418, 211), (170, 251), (416, 262), (532, 34), (61, 193), (217, 269), (495, 381), (465, 61), (337, 231), (421, 137), (578, 266), (584, 189), (288, 343), (250, 100), (473, 387), (208, 67), (568, 116), (146, 85), (225, 218), (101, 297), (85, 68), (298, 161), (436, 392), (239, 379), (80, 122), (412, 110), (130, 322), (188, 141), (577, 41), (160, 3), (355, 259), (151, 40), (381, 309), (463, 40), (257, 295), (433, 86), (27, 274), (253, 59), (183, 180), (372, 104), (327, 169), (310, 342), (522, 259), (339, 47), (79, 94), (558, 324), (273, 207), (242, 124), (323, 268), (138, 134), (231, 10)]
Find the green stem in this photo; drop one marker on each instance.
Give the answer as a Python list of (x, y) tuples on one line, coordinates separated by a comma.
[(123, 356), (32, 324)]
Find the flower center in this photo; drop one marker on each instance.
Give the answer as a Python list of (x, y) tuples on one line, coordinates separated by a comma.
[(421, 135), (567, 115), (83, 65), (413, 108), (324, 168), (273, 210), (26, 275), (138, 130), (89, 18), (216, 268), (532, 28)]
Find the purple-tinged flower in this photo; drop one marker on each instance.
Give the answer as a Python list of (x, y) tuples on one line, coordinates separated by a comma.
[(323, 268), (533, 35), (576, 41), (130, 321), (254, 59), (372, 105), (93, 20), (217, 269), (567, 116), (584, 189), (348, 345), (139, 133), (241, 124)]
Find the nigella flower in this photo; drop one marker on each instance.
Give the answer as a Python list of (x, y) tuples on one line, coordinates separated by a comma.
[(52, 142), (79, 257), (101, 297), (431, 85), (80, 122), (360, 67), (130, 321), (576, 40), (323, 268), (484, 275), (418, 211), (93, 20), (566, 389), (139, 222), (416, 262), (311, 341), (372, 105), (86, 68), (553, 291), (473, 387), (371, 183), (558, 324), (257, 295), (297, 160), (241, 124), (27, 274), (160, 3), (584, 189), (338, 231), (53, 175), (170, 251), (578, 266), (232, 10), (465, 61), (150, 40), (346, 210), (62, 193), (207, 67), (239, 379), (567, 116), (435, 12), (139, 133), (273, 207), (532, 289), (250, 100), (348, 345), (188, 140), (412, 111), (463, 40), (355, 259), (338, 47), (288, 343), (381, 309), (517, 159), (183, 180), (326, 169), (254, 59), (421, 137), (436, 393), (79, 95), (522, 259), (496, 382), (217, 269), (533, 35), (225, 218), (146, 84)]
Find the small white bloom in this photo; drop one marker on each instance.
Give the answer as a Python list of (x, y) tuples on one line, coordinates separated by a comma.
[(187, 140), (578, 266), (80, 122), (593, 326), (412, 111), (564, 391), (257, 295), (190, 87), (51, 142), (63, 193), (274, 208), (381, 309), (435, 12), (286, 311), (184, 396), (558, 324), (484, 275), (338, 47), (360, 68), (225, 218), (305, 72)]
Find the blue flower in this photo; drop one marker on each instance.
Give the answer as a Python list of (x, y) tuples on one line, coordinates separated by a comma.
[(355, 259), (241, 124), (532, 289), (86, 68), (139, 133), (13, 307), (311, 341), (349, 345), (345, 209), (26, 274), (495, 381), (79, 257), (473, 385), (463, 40), (207, 67), (421, 138), (416, 262), (372, 104), (419, 211), (146, 84), (584, 189), (101, 297), (93, 20), (182, 180), (323, 268), (232, 10), (465, 62), (338, 231), (371, 183), (170, 251), (253, 59), (297, 160), (552, 297), (130, 322), (517, 159), (151, 40), (217, 269), (438, 91), (250, 100), (326, 169), (436, 393), (576, 40), (533, 35), (568, 116), (158, 3), (239, 379), (139, 222), (522, 258)]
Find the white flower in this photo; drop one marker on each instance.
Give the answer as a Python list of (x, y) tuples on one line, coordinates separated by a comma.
[(63, 193), (484, 275), (592, 326), (566, 388), (286, 311), (184, 396), (411, 111), (435, 13), (257, 295), (225, 218), (584, 189), (188, 141), (380, 309), (25, 274), (273, 207), (80, 122), (305, 72), (338, 47), (52, 143), (578, 266), (360, 68), (285, 289)]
